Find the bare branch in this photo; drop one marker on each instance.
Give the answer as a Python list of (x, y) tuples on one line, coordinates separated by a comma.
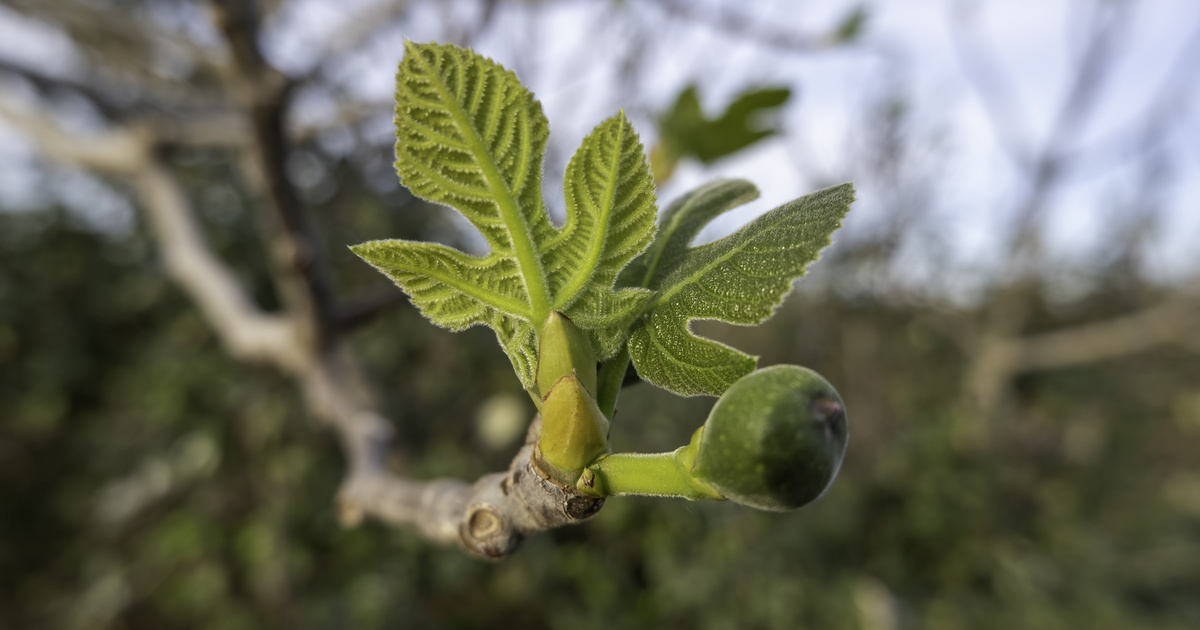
[(489, 518), (246, 331), (105, 102), (999, 358), (119, 152), (738, 25), (996, 95), (1172, 322), (299, 266)]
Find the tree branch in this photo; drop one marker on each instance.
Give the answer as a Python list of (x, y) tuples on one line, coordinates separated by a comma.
[(120, 152), (489, 517), (998, 359), (1175, 321), (246, 331), (298, 261)]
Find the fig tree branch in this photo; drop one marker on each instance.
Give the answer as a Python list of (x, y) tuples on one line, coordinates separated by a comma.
[(306, 340)]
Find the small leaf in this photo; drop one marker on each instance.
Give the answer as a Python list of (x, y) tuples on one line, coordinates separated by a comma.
[(610, 220), (457, 291), (739, 279), (852, 25), (686, 132)]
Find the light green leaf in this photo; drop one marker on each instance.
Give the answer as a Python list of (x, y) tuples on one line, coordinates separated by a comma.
[(447, 285), (457, 291), (739, 279), (610, 220), (468, 135), (681, 222)]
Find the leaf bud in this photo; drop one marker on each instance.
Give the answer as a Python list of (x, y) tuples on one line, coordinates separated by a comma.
[(562, 350), (574, 431)]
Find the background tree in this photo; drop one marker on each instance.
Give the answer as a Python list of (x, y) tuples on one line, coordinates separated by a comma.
[(1022, 452)]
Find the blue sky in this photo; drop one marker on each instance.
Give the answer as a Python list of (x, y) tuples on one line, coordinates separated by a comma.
[(573, 58)]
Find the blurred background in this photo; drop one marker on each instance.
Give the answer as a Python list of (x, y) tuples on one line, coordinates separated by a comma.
[(1011, 312)]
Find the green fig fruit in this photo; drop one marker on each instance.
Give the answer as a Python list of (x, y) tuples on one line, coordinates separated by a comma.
[(774, 440)]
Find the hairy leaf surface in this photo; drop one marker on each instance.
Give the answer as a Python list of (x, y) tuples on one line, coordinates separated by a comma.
[(610, 220), (681, 222), (470, 136), (739, 279)]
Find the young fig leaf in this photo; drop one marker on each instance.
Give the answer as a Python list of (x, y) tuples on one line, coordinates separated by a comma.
[(685, 131), (470, 136), (610, 221), (679, 225), (739, 279)]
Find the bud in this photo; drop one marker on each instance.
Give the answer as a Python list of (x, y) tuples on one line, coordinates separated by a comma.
[(574, 432), (562, 350)]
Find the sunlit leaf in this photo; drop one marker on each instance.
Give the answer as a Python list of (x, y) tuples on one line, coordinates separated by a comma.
[(739, 279), (470, 136)]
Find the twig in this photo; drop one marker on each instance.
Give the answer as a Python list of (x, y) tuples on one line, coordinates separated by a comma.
[(738, 25), (247, 332), (115, 152), (998, 359)]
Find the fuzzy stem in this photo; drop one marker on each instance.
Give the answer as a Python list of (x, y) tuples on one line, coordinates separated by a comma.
[(646, 474), (612, 375)]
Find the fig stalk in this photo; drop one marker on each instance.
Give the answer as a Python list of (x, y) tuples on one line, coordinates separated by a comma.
[(774, 441)]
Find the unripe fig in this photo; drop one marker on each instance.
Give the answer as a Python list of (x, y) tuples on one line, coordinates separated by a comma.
[(774, 440), (562, 349)]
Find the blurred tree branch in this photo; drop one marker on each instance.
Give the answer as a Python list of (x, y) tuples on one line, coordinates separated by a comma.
[(738, 24), (1000, 351), (307, 338)]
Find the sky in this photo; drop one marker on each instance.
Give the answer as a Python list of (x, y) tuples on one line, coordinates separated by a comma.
[(913, 48)]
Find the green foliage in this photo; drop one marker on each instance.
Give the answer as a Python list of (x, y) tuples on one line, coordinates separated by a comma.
[(1077, 511), (685, 131), (470, 136), (851, 26), (739, 279)]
